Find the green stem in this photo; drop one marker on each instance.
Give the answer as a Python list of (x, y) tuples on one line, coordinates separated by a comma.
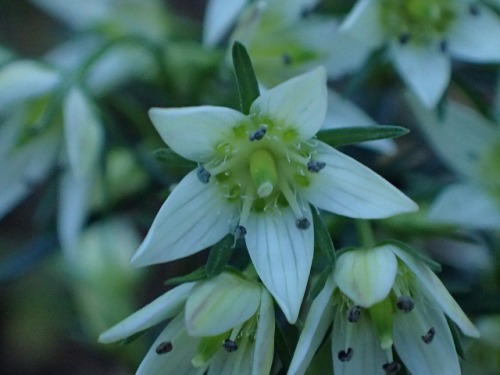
[(365, 233)]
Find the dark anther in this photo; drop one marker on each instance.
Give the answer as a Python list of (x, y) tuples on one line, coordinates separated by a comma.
[(240, 232), (392, 367), (258, 134), (429, 336), (164, 347), (302, 223), (405, 304), (474, 9), (287, 59), (404, 38), (229, 345), (345, 356), (203, 174), (443, 45), (315, 165), (353, 314)]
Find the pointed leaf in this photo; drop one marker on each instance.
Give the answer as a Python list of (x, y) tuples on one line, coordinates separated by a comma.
[(220, 253), (248, 86), (196, 275), (322, 240), (350, 135), (432, 264), (171, 160)]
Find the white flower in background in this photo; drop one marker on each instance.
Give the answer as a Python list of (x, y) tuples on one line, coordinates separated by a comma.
[(224, 325), (257, 176), (380, 298), (470, 145), (422, 35)]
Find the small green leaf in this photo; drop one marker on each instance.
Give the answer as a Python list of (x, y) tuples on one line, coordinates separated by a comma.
[(132, 338), (196, 275), (172, 160), (356, 134), (318, 283), (433, 265), (220, 253), (322, 240), (457, 338), (248, 86)]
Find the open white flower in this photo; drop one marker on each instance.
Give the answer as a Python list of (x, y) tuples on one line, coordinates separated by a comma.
[(256, 176), (379, 298), (423, 34), (224, 325)]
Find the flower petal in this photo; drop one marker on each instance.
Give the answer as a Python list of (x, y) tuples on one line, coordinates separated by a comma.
[(437, 292), (346, 187), (282, 255), (263, 352), (366, 276), (195, 216), (238, 362), (178, 360), (319, 318), (439, 356), (220, 304), (299, 103), (425, 69), (195, 132), (475, 37), (363, 23), (367, 355), (21, 80), (466, 205), (162, 308), (219, 16)]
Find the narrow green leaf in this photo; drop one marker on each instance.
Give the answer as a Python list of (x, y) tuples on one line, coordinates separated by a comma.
[(196, 275), (173, 160), (220, 253), (248, 86), (433, 265), (318, 283), (457, 338), (133, 337), (356, 134), (322, 241)]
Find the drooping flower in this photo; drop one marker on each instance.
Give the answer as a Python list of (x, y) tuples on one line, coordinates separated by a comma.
[(224, 325), (423, 34), (257, 174), (380, 298)]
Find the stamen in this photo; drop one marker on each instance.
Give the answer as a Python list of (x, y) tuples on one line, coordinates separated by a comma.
[(354, 314), (302, 223), (392, 367), (345, 356), (429, 336), (291, 199), (229, 345), (315, 166), (247, 199), (404, 38), (202, 174), (443, 46), (474, 9), (240, 232), (164, 347), (405, 304), (258, 134)]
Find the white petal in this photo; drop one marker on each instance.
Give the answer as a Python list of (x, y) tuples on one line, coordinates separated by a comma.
[(437, 292), (177, 361), (363, 23), (319, 318), (194, 216), (466, 205), (238, 362), (263, 352), (425, 69), (195, 132), (439, 357), (83, 133), (346, 187), (23, 168), (476, 38), (21, 80), (219, 16), (299, 103), (343, 113), (220, 304), (366, 276), (367, 357), (282, 255), (162, 308)]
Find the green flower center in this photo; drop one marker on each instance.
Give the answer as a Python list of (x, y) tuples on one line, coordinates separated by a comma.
[(417, 20)]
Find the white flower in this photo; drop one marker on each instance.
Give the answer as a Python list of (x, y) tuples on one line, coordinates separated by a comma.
[(470, 145), (422, 34), (225, 325), (379, 298), (257, 174)]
